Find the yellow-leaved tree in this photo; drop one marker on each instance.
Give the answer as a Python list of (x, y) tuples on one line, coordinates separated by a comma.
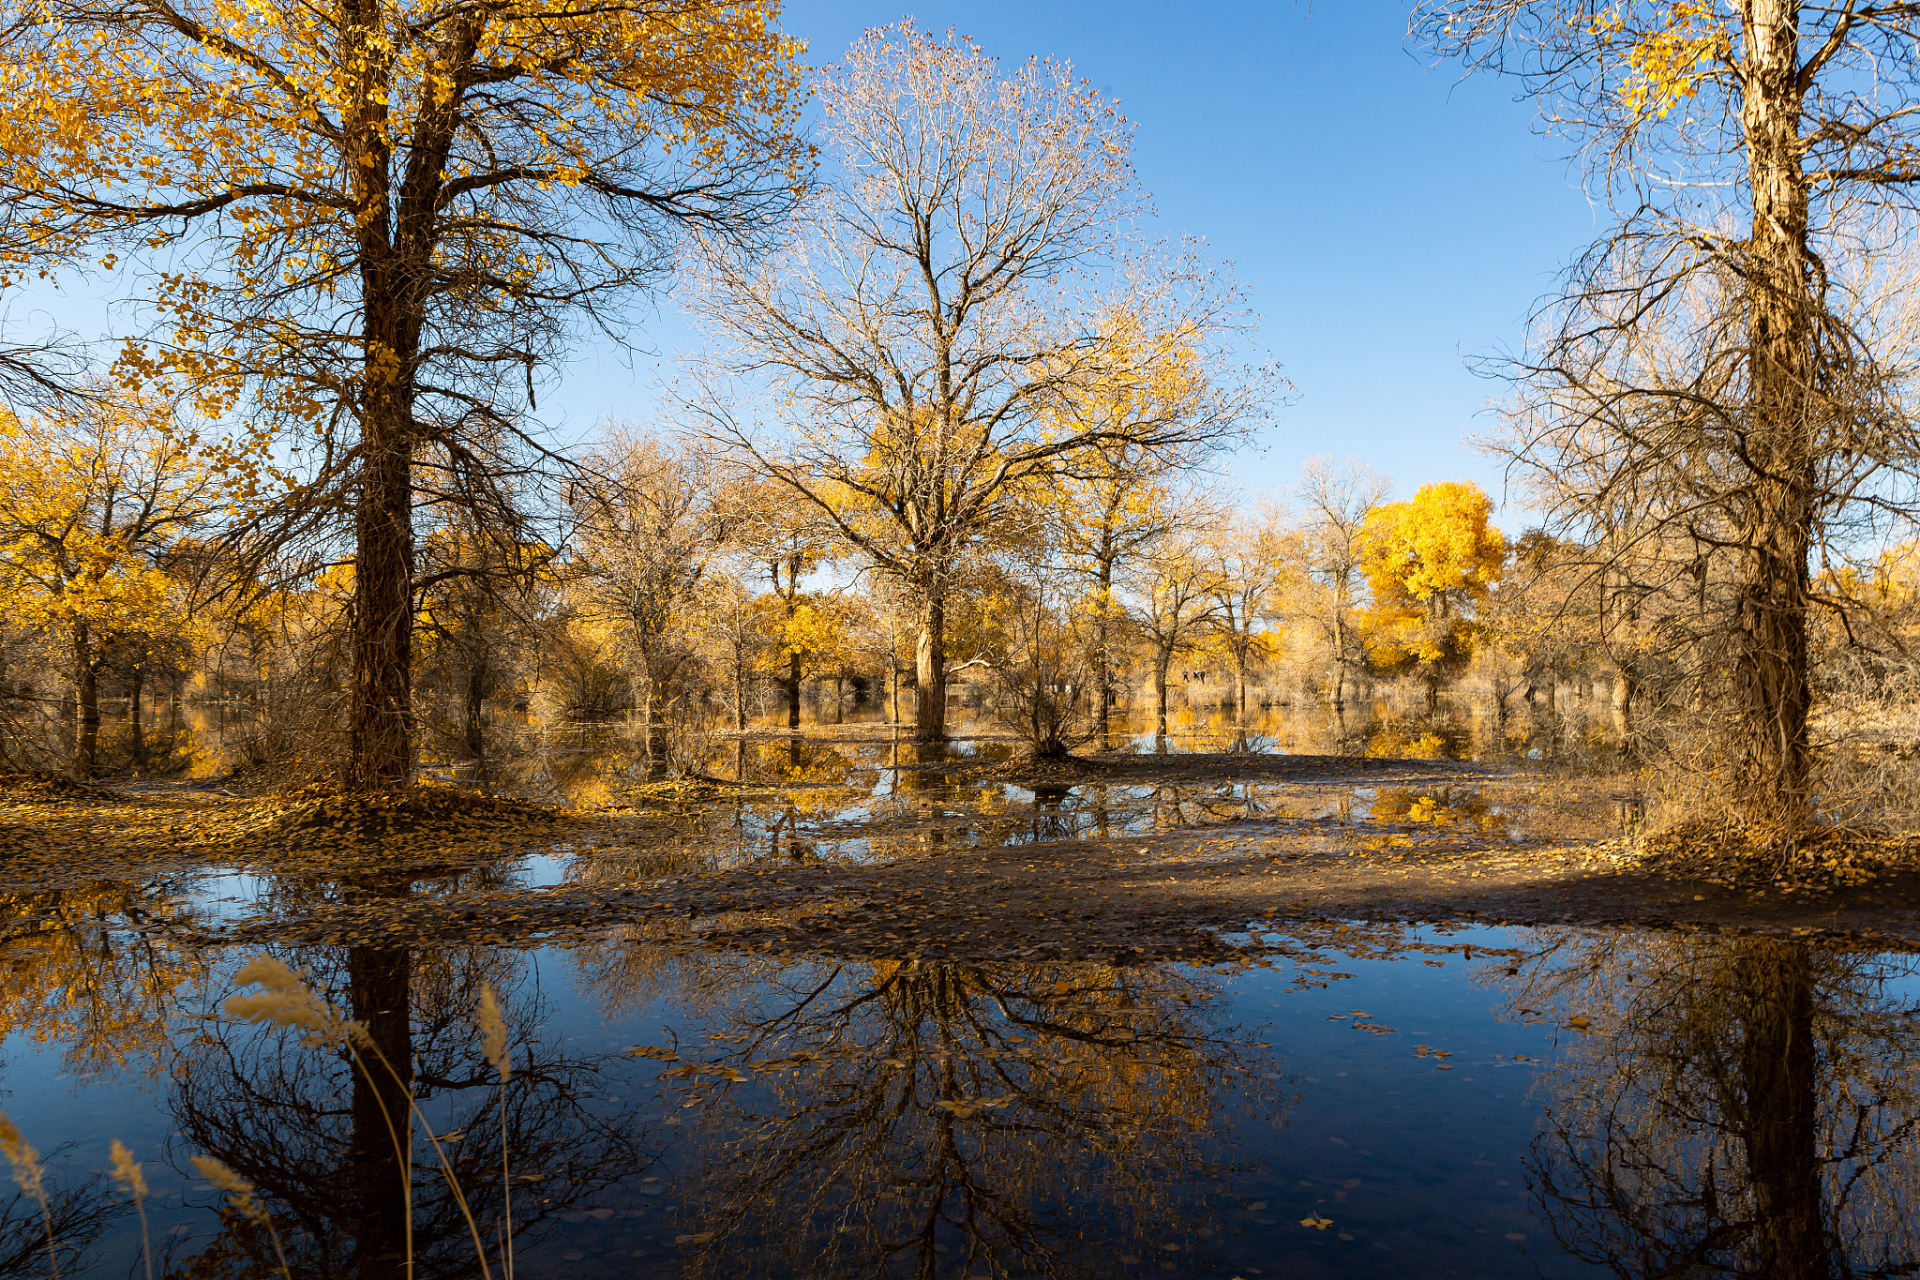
[(1429, 561), (94, 499), (377, 220)]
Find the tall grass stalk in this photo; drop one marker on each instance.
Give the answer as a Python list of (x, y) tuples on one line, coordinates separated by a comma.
[(243, 1202), (126, 1172), (493, 1034), (27, 1172)]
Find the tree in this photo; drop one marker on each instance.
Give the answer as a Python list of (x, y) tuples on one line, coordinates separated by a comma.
[(91, 504), (1718, 371), (1429, 561), (649, 529), (1175, 592), (931, 313), (1244, 593), (1337, 501), (1112, 506), (376, 218)]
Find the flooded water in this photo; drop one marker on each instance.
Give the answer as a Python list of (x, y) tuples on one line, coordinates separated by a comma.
[(1450, 1102)]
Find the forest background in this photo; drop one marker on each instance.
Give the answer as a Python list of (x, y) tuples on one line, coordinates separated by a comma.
[(959, 406)]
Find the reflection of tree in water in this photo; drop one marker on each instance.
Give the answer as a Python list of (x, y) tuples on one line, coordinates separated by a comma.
[(1011, 1117), (1747, 1107), (72, 973), (309, 1130)]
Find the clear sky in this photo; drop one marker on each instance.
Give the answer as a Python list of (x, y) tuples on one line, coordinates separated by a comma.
[(1393, 218)]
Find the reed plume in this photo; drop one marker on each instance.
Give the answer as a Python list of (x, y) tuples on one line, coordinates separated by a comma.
[(241, 1198), (126, 1172), (28, 1173)]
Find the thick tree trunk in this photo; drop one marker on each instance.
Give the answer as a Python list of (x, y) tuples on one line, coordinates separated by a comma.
[(791, 684), (86, 704), (1772, 689), (930, 672), (380, 728), (1240, 677), (739, 691)]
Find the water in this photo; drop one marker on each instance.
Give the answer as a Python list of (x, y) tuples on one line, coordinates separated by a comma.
[(1383, 1102)]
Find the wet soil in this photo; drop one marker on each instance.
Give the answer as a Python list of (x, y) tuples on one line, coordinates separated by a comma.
[(1432, 846)]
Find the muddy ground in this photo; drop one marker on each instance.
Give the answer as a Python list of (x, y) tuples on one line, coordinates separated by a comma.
[(1330, 839)]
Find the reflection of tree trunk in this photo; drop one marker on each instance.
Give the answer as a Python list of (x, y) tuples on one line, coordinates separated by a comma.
[(380, 984), (1778, 1072), (930, 671), (86, 700)]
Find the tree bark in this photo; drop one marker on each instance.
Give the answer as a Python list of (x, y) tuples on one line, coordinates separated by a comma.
[(1103, 667), (1162, 659), (1772, 686), (86, 703), (136, 683), (930, 672), (476, 731)]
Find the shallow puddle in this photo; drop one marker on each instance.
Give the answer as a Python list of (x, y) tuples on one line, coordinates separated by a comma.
[(1465, 1102)]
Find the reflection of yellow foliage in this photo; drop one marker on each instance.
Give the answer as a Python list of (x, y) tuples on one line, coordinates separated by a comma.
[(73, 984)]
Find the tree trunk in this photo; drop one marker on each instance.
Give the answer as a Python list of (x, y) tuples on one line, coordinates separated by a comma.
[(1772, 694), (136, 683), (1103, 668), (930, 672), (476, 731), (380, 730), (1240, 675), (1162, 659), (792, 685), (86, 703), (739, 690)]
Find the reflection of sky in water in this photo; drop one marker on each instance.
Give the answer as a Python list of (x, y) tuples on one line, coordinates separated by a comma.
[(1324, 1103)]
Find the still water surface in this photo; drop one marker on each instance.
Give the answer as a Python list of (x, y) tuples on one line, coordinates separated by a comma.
[(1467, 1102)]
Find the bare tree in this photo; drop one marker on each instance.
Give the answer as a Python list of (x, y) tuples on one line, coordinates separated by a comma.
[(929, 321), (1336, 501), (1174, 601), (1714, 376)]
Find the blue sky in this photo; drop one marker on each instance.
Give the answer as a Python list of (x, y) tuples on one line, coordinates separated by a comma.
[(1392, 218)]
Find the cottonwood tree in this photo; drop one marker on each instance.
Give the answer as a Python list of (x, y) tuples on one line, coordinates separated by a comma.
[(93, 503), (371, 223), (648, 530), (1430, 562), (1716, 369), (1246, 582), (962, 277), (1174, 603), (1336, 500)]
